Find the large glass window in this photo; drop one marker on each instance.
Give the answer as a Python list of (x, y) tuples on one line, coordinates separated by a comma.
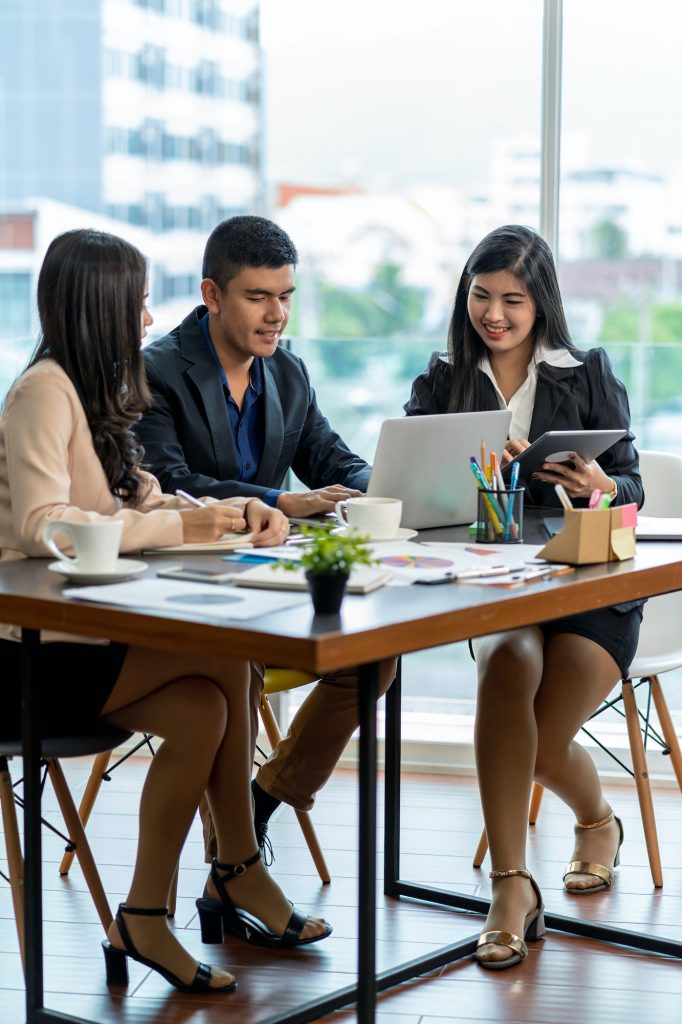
[(620, 218), (397, 135)]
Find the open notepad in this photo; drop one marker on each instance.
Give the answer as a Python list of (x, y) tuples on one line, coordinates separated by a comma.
[(228, 542), (362, 580), (657, 528)]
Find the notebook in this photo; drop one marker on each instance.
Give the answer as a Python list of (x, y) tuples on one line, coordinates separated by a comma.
[(655, 528), (228, 542), (424, 460), (363, 579)]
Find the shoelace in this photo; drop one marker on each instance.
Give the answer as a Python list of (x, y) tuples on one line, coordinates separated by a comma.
[(264, 843)]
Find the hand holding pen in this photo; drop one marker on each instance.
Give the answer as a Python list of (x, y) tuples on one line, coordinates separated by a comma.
[(208, 522)]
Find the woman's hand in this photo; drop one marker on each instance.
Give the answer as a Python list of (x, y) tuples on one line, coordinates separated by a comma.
[(200, 525), (579, 479), (268, 525), (513, 447)]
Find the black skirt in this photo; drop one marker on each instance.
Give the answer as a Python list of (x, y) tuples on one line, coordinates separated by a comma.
[(73, 685), (615, 629)]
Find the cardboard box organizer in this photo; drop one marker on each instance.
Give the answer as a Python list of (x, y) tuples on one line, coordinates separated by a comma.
[(594, 535)]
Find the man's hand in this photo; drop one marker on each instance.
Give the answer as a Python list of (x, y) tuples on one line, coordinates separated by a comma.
[(268, 525), (308, 503)]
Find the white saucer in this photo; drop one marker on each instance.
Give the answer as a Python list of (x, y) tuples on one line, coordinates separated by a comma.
[(125, 569), (402, 534)]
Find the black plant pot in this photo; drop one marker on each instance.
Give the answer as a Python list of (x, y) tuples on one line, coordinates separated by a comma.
[(326, 591)]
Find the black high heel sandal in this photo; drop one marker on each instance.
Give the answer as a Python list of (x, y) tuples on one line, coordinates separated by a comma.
[(220, 915), (117, 963)]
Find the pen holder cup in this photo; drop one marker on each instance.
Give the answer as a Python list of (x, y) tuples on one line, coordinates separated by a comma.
[(590, 536), (500, 516)]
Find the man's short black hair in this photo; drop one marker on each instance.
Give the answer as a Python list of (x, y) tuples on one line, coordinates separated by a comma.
[(246, 241)]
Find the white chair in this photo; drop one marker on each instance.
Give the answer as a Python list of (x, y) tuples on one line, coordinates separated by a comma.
[(659, 650)]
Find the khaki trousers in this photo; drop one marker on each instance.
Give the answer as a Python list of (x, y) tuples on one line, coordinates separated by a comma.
[(304, 759)]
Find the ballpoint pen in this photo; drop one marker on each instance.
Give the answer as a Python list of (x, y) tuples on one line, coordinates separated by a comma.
[(510, 527), (471, 574), (497, 483), (494, 509), (190, 498)]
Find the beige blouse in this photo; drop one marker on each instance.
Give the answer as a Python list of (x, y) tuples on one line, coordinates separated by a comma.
[(49, 470)]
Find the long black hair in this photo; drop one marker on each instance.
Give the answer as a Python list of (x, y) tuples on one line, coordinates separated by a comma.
[(90, 298), (525, 254)]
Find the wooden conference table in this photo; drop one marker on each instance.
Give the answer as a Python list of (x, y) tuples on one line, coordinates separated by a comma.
[(386, 623)]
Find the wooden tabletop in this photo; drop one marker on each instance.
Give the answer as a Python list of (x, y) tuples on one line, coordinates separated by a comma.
[(387, 622)]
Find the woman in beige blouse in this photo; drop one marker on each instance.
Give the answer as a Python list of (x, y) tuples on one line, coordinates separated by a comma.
[(67, 451)]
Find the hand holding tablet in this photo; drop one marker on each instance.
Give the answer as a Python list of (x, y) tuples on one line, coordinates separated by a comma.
[(559, 446)]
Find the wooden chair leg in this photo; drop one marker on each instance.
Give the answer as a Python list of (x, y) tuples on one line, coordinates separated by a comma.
[(274, 736), (641, 772), (15, 860), (99, 766), (481, 850), (667, 728), (533, 811), (76, 832)]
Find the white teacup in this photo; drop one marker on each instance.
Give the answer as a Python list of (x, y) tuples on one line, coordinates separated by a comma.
[(379, 518), (96, 544)]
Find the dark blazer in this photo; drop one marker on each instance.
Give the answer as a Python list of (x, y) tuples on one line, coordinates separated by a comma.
[(585, 397), (187, 436)]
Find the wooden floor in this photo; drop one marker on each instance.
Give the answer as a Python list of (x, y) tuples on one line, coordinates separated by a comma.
[(564, 980)]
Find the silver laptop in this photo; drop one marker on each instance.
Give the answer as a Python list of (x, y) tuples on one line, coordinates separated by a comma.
[(425, 461)]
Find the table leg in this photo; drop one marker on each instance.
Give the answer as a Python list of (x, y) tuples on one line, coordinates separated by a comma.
[(368, 689), (33, 873), (33, 903)]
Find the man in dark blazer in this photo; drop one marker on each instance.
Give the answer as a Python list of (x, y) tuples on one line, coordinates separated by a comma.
[(231, 413)]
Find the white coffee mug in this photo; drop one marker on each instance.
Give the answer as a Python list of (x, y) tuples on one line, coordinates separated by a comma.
[(378, 518), (96, 545)]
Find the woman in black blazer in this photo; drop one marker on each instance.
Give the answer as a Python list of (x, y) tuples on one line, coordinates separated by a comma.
[(509, 347)]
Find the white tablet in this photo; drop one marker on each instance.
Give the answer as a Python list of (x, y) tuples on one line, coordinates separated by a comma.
[(559, 445)]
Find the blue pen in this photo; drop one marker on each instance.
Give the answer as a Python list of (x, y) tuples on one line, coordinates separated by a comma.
[(491, 501), (513, 483)]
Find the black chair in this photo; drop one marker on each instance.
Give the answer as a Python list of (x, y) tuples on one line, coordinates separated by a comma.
[(100, 738)]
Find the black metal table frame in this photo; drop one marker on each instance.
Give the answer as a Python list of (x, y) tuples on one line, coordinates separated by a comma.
[(369, 983)]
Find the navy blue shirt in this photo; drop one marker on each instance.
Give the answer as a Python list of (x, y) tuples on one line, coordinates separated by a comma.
[(247, 423)]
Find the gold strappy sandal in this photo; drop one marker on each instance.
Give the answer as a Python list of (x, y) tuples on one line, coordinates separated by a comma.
[(583, 867), (533, 928)]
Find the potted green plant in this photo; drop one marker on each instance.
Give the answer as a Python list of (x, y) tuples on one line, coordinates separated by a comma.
[(327, 559)]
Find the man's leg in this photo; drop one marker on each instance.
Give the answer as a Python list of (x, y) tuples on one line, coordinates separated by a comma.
[(305, 758)]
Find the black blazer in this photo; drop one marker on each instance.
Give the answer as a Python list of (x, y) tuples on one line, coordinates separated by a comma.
[(585, 397), (187, 436)]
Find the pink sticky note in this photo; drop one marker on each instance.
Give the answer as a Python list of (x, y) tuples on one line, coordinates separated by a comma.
[(628, 514)]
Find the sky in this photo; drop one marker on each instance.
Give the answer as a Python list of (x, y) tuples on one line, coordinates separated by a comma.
[(390, 93)]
